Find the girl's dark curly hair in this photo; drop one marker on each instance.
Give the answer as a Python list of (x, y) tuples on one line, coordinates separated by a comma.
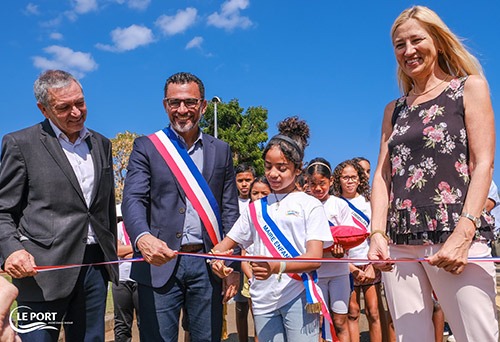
[(292, 139), (363, 187)]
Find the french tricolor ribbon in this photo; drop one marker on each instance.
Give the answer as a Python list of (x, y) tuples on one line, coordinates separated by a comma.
[(191, 180), (279, 247), (257, 258)]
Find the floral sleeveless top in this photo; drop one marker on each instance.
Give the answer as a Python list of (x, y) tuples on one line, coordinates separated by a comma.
[(430, 177)]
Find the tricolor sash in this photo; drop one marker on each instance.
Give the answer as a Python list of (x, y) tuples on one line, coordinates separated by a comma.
[(191, 181), (359, 217), (279, 246)]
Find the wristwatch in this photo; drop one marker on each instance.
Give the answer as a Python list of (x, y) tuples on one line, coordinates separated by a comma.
[(476, 220)]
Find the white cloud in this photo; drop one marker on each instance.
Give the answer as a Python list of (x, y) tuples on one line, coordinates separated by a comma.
[(130, 38), (171, 25), (229, 18), (31, 9), (52, 22), (138, 4), (56, 36), (84, 6), (135, 4), (194, 43), (76, 62)]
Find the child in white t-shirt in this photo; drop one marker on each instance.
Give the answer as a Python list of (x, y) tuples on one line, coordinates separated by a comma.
[(244, 174), (333, 278), (351, 183), (299, 221)]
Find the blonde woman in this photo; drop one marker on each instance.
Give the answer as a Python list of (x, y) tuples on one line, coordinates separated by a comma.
[(431, 183)]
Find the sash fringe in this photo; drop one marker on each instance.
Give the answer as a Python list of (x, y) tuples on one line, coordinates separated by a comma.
[(313, 307)]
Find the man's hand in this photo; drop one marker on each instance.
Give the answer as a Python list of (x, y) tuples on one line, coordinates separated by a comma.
[(230, 286), (20, 264), (154, 251)]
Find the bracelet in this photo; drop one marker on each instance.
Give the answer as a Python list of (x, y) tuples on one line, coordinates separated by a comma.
[(282, 269), (381, 232)]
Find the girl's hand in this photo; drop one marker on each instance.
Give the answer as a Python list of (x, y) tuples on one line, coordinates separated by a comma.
[(369, 274), (453, 255), (337, 250), (263, 270), (230, 286), (218, 266), (358, 275)]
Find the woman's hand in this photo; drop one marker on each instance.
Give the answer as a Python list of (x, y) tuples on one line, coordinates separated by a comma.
[(453, 255), (379, 251)]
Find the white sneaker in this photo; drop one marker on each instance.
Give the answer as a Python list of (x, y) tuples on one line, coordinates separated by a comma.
[(451, 338)]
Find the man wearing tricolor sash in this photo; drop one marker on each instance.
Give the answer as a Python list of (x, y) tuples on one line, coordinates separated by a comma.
[(180, 195)]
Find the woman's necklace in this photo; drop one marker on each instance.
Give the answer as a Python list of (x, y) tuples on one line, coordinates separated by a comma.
[(428, 91), (282, 198)]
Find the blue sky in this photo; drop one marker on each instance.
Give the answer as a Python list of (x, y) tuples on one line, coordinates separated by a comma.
[(329, 62)]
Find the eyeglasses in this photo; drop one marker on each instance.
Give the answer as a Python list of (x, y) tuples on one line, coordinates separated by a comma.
[(190, 103), (349, 178)]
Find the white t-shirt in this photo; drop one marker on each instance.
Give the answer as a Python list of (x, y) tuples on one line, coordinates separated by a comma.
[(338, 212), (243, 204), (361, 251), (124, 267), (493, 194), (301, 218)]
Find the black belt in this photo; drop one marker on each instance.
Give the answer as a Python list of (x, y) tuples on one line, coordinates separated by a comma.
[(93, 253), (193, 248)]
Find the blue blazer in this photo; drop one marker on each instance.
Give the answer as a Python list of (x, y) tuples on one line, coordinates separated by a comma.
[(154, 202)]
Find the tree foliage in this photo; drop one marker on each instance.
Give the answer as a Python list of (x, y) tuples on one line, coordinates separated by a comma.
[(122, 147), (244, 132)]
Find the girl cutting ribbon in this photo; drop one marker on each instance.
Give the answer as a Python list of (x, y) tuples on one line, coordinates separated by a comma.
[(287, 223)]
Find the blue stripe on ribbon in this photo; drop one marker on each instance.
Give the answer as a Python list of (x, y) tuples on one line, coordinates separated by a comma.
[(197, 175), (357, 211)]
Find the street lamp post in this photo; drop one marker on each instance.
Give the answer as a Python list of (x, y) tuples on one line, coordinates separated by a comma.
[(215, 101)]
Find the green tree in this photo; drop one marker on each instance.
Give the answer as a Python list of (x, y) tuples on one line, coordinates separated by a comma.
[(244, 132), (122, 147)]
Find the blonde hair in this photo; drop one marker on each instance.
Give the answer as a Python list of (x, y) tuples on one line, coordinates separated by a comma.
[(453, 58)]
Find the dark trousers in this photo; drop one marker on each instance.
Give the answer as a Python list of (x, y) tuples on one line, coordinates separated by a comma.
[(81, 313), (191, 287), (125, 300)]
